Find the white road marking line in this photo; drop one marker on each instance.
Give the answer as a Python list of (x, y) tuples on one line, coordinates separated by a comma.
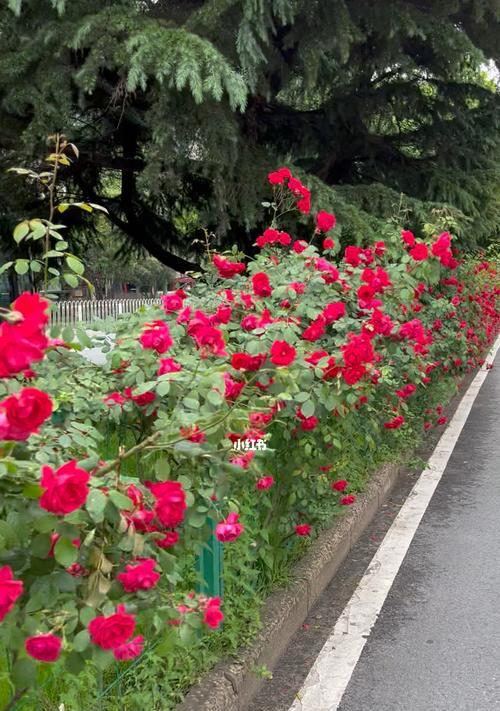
[(329, 676)]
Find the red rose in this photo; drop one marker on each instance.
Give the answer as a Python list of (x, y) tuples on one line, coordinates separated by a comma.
[(408, 237), (325, 221), (22, 414), (115, 398), (406, 391), (250, 322), (282, 353), (10, 590), (352, 255), (168, 365), (172, 301), (347, 500), (328, 243), (140, 400), (261, 285), (65, 489), (210, 341), (265, 482), (44, 647), (112, 631), (226, 268), (441, 246), (419, 252), (193, 434), (395, 423), (232, 388), (243, 361), (299, 246), (303, 529), (333, 311), (17, 349), (171, 502), (315, 330), (169, 540), (212, 615), (229, 529), (129, 650), (278, 177), (156, 336), (339, 485), (139, 576), (442, 420)]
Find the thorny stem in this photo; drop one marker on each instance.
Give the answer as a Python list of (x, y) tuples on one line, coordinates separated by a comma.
[(52, 190)]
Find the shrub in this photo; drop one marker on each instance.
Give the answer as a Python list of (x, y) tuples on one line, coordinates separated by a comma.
[(235, 406)]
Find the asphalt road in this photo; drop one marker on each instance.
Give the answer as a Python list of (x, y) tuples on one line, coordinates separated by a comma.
[(436, 643)]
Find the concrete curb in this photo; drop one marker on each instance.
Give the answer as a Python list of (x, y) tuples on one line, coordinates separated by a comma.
[(231, 685)]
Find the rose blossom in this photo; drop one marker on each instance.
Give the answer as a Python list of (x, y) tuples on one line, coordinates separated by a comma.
[(395, 423), (226, 268), (10, 590), (139, 576), (229, 529), (156, 336), (171, 502), (129, 650), (66, 489), (339, 485), (265, 482), (244, 361), (347, 500), (22, 414), (112, 631), (261, 285), (212, 615), (325, 221), (173, 300), (168, 540), (419, 252), (303, 529), (168, 365), (44, 647), (282, 353)]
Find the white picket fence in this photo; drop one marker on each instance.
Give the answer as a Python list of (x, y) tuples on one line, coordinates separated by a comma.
[(68, 313)]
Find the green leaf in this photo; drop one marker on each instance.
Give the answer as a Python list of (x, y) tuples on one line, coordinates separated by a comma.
[(163, 388), (35, 266), (65, 552), (187, 635), (75, 265), (215, 397), (83, 339), (70, 279), (5, 266), (20, 231), (81, 641), (21, 266), (39, 231), (308, 408), (96, 503), (24, 673), (302, 397), (121, 501), (40, 545), (61, 246)]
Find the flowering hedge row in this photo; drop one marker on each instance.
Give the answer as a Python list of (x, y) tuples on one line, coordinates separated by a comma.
[(302, 348)]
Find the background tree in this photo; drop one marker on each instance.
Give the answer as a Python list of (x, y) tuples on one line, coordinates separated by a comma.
[(180, 107)]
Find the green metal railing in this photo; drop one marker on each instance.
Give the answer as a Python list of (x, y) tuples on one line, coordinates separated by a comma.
[(209, 565)]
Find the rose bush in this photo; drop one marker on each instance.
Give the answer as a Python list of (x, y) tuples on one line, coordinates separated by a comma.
[(315, 351)]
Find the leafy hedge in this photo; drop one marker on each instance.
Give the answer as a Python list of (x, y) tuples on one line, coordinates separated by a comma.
[(110, 476)]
